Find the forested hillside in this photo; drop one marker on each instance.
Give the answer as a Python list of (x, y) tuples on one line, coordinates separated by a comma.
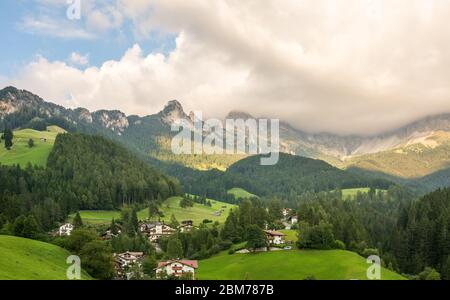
[(423, 238), (291, 176), (83, 172)]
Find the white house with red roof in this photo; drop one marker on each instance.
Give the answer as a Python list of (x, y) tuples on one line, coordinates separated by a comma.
[(176, 268), (275, 237)]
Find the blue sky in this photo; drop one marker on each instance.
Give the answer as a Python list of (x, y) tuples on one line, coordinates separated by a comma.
[(21, 44)]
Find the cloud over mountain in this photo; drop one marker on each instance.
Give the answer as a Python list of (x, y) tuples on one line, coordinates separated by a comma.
[(339, 66)]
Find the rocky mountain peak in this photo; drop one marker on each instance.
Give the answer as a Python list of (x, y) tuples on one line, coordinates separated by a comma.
[(235, 114), (172, 112), (115, 120)]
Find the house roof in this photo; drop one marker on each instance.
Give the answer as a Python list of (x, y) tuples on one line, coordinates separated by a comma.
[(274, 233), (135, 254), (190, 263)]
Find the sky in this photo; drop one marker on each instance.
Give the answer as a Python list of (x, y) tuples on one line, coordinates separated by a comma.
[(338, 66)]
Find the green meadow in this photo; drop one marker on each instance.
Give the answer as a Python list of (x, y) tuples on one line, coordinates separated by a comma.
[(288, 265), (21, 154), (197, 213), (291, 235), (24, 259), (241, 193)]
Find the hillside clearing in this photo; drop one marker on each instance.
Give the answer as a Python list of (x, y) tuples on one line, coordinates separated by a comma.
[(288, 265), (240, 193), (21, 154), (24, 259), (197, 214)]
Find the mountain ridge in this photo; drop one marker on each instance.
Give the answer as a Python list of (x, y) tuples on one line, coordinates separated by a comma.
[(21, 108)]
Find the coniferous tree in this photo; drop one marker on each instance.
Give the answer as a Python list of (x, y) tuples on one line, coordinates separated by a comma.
[(256, 238), (8, 137), (174, 248), (77, 221)]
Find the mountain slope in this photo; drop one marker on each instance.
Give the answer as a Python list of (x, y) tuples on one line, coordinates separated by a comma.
[(24, 259), (415, 150), (106, 174), (292, 175), (21, 154), (288, 265), (417, 158)]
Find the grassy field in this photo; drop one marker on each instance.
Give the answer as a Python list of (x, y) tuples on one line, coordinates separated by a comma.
[(351, 193), (197, 214), (288, 265), (241, 193), (291, 235), (21, 154), (24, 259)]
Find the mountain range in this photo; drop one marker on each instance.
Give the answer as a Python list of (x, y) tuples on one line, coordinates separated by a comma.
[(415, 151)]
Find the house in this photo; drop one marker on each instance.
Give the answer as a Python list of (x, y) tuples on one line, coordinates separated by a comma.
[(293, 219), (186, 226), (65, 230), (177, 268), (123, 262), (275, 237), (43, 140), (157, 230)]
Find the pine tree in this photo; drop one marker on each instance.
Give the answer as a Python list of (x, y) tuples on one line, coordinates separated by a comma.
[(77, 221), (256, 237), (173, 222), (8, 137), (174, 248), (114, 228)]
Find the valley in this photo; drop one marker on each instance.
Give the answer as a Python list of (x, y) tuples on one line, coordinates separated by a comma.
[(97, 177)]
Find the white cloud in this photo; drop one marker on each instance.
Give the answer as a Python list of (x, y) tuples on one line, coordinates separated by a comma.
[(344, 66), (79, 59)]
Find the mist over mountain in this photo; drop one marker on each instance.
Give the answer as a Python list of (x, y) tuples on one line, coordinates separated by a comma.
[(412, 151)]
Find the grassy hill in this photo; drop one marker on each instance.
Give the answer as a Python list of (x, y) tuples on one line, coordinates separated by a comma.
[(288, 265), (241, 193), (24, 259), (21, 154), (198, 213)]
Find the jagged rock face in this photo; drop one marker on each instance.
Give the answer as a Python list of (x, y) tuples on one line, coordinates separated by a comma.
[(84, 115), (12, 100), (173, 113), (115, 120)]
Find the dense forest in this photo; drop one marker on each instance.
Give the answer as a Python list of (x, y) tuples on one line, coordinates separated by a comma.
[(293, 175), (83, 172)]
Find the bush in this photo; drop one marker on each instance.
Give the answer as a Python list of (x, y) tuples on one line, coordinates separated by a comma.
[(339, 245), (369, 252)]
